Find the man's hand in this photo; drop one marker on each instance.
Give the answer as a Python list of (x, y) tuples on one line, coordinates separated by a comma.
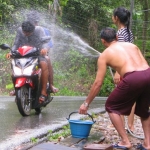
[(8, 56), (116, 78), (43, 52), (83, 108)]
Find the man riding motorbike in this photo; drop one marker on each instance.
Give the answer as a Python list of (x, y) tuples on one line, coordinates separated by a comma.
[(34, 17), (31, 35)]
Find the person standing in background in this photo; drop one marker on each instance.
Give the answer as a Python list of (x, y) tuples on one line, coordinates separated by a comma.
[(121, 18)]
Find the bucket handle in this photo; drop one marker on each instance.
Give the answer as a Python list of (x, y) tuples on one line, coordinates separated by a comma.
[(77, 112)]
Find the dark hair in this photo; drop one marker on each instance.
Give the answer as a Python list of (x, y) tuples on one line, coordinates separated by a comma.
[(27, 26), (124, 16), (108, 34)]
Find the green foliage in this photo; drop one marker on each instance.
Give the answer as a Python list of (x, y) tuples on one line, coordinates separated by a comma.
[(74, 73), (81, 71), (5, 71), (93, 115), (87, 18), (9, 86), (63, 2), (66, 91), (64, 132), (5, 11), (107, 87), (33, 140)]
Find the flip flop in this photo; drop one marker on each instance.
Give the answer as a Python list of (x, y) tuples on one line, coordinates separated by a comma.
[(119, 147), (140, 147), (42, 98)]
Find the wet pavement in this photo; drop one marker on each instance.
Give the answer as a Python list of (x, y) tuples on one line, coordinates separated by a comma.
[(16, 129), (51, 146)]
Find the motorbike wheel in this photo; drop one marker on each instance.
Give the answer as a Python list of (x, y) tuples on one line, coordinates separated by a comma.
[(23, 102)]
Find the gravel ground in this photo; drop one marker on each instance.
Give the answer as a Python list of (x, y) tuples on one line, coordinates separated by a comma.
[(103, 125), (109, 135)]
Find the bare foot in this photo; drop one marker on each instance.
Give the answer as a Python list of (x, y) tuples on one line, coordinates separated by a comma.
[(54, 89)]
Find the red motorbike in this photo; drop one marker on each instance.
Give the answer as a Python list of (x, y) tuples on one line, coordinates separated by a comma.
[(26, 77)]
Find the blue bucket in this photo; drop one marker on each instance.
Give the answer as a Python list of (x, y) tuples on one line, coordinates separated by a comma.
[(80, 128)]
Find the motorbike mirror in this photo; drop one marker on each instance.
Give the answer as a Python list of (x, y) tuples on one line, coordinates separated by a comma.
[(4, 46)]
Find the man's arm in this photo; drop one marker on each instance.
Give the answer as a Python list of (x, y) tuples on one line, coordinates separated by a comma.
[(95, 89), (17, 41)]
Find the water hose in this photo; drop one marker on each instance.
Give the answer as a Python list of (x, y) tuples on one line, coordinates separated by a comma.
[(134, 135)]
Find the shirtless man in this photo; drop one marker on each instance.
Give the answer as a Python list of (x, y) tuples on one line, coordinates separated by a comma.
[(134, 87)]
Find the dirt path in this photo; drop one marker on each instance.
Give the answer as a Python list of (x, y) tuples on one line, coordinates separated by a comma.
[(103, 125)]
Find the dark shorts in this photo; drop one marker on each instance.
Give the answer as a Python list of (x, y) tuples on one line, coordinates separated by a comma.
[(42, 58), (134, 87)]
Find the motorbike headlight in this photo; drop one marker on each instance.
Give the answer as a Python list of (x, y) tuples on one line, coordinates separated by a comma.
[(17, 71), (28, 71), (24, 66), (23, 71)]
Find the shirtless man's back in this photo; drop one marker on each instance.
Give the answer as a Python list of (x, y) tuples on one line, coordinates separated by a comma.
[(123, 57)]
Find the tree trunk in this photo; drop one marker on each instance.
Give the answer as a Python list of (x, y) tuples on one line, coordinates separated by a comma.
[(145, 24), (93, 30)]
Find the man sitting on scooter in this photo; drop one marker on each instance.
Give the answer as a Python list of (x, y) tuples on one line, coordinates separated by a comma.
[(34, 17), (31, 35)]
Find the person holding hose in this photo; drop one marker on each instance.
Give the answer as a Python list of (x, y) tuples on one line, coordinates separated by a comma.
[(134, 86)]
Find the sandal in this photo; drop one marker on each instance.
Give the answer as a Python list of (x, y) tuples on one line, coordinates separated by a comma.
[(42, 98), (116, 146), (140, 147)]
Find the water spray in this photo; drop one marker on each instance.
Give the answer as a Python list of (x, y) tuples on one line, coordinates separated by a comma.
[(65, 40)]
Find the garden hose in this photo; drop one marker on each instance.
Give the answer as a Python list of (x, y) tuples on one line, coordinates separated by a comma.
[(134, 135)]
